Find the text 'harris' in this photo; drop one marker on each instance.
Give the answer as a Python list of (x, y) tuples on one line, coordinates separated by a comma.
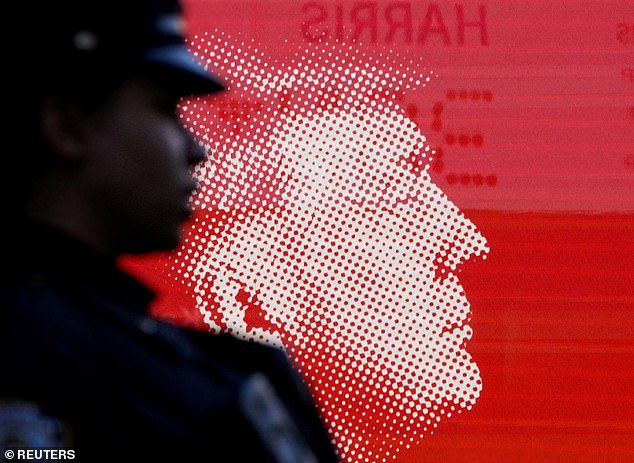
[(395, 22)]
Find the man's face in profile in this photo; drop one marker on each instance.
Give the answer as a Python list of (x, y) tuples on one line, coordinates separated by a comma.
[(348, 258)]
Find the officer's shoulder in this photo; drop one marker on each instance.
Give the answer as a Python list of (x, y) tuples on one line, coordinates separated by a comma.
[(237, 351), (25, 423), (231, 343)]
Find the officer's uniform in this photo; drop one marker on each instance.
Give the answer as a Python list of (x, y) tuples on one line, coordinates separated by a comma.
[(84, 368)]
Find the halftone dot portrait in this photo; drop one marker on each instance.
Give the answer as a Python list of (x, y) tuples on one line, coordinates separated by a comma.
[(318, 230)]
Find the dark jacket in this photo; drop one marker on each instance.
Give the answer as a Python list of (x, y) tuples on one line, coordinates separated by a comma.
[(85, 368)]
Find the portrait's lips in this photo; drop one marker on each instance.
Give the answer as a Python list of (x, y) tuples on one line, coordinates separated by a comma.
[(457, 329), (187, 204), (457, 334), (454, 299)]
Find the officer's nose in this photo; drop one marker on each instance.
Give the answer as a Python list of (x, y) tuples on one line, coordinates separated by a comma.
[(196, 152)]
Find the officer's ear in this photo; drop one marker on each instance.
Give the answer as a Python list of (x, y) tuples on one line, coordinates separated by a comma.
[(62, 125)]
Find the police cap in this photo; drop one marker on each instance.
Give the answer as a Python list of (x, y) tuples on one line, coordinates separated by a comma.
[(57, 36)]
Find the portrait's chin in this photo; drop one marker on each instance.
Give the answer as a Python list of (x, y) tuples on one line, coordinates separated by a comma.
[(389, 409), (461, 386)]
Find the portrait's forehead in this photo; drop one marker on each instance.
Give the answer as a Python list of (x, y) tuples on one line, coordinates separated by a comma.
[(363, 130), (355, 156)]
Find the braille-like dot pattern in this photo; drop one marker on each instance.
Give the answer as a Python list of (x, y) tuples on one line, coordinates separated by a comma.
[(318, 230)]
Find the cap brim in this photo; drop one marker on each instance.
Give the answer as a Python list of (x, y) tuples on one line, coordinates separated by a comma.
[(188, 75)]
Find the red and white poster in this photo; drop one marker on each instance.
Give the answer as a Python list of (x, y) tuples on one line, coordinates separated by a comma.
[(430, 207)]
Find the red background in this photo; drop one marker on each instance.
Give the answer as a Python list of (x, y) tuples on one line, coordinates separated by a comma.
[(545, 169)]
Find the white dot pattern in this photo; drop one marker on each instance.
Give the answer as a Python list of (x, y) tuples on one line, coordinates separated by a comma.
[(319, 230)]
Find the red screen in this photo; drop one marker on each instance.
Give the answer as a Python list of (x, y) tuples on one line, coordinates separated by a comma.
[(526, 110)]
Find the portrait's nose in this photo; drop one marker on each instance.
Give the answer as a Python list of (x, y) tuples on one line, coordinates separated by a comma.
[(455, 238), (464, 242), (195, 150)]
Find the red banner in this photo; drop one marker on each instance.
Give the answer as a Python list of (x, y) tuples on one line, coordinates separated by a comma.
[(429, 206)]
